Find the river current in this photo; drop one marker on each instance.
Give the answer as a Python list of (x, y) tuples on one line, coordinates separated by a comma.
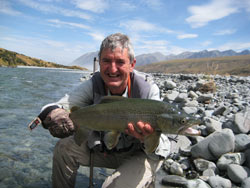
[(26, 157)]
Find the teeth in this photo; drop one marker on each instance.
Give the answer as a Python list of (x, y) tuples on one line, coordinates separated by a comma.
[(113, 75)]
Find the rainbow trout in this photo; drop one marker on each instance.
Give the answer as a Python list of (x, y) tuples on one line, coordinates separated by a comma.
[(114, 113)]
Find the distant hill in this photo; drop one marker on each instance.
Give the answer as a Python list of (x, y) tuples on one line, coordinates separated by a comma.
[(13, 59), (152, 58), (232, 65), (86, 60)]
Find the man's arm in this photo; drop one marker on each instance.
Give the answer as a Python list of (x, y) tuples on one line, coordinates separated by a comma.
[(56, 115)]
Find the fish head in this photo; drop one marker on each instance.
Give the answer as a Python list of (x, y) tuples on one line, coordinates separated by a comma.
[(176, 123)]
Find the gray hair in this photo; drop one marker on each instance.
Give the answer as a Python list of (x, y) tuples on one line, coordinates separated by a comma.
[(117, 40)]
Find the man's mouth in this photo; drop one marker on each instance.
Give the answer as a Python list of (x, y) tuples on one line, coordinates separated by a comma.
[(113, 75)]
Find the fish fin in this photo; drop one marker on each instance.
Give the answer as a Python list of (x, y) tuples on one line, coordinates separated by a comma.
[(110, 99), (80, 135), (151, 142), (111, 139), (74, 108)]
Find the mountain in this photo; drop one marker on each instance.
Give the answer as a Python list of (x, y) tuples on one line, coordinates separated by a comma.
[(151, 58), (86, 60), (13, 59), (229, 65)]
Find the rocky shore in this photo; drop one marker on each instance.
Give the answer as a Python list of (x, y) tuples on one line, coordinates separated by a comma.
[(220, 156)]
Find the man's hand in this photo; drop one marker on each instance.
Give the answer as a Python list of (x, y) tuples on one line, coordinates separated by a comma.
[(59, 123), (140, 130)]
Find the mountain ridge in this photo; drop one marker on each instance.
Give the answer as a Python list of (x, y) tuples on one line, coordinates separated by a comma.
[(86, 60)]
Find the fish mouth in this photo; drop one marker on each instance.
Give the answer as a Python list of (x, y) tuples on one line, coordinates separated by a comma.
[(189, 131)]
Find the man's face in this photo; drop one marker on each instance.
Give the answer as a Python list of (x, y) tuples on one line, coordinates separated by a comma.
[(115, 68)]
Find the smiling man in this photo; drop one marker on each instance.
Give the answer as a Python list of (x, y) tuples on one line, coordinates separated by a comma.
[(134, 168)]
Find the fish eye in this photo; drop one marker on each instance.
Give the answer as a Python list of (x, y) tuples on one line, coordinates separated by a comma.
[(183, 121)]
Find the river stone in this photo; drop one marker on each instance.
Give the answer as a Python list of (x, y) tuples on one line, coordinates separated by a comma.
[(197, 183), (192, 94), (181, 98), (171, 96), (202, 164), (247, 154), (242, 121), (217, 182), (225, 137), (183, 142), (245, 183), (205, 98), (219, 111), (176, 169), (241, 140), (201, 149), (230, 158), (237, 173), (212, 125), (190, 110), (173, 180), (169, 84)]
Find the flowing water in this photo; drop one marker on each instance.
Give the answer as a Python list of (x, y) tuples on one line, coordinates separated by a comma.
[(26, 157)]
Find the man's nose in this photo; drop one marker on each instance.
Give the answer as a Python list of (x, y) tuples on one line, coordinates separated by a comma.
[(113, 67)]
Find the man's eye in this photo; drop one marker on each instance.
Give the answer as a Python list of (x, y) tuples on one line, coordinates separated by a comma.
[(120, 62)]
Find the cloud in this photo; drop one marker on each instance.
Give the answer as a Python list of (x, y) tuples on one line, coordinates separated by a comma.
[(215, 10), (225, 32), (186, 36), (50, 8), (206, 43), (238, 46), (155, 4), (96, 6), (138, 25), (47, 49), (5, 8), (59, 23), (97, 36)]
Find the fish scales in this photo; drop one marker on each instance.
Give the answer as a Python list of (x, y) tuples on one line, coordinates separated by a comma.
[(114, 114)]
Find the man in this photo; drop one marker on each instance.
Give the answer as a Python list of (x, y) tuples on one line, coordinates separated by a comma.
[(134, 168)]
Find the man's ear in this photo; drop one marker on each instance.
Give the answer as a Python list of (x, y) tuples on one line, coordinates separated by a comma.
[(132, 65)]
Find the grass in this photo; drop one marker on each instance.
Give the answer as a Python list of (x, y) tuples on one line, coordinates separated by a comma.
[(230, 65), (13, 59)]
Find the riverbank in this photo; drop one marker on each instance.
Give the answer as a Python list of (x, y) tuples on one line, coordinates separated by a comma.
[(220, 157)]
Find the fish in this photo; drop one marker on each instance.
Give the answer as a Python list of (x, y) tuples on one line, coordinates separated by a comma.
[(114, 113)]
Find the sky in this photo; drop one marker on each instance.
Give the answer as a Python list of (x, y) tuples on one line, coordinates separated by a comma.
[(60, 31)]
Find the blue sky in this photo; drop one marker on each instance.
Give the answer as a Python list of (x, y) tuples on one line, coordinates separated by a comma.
[(62, 30)]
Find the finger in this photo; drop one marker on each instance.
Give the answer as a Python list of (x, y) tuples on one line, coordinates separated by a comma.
[(132, 131), (145, 128), (148, 128)]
